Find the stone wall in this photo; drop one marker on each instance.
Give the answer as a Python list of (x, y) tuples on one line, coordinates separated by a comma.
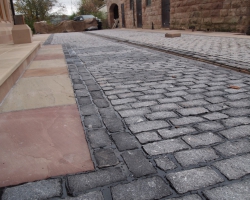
[(215, 15), (6, 22)]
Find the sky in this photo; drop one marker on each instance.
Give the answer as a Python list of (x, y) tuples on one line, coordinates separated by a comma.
[(71, 6)]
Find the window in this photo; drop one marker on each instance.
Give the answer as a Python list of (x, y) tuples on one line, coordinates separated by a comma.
[(131, 4), (148, 2)]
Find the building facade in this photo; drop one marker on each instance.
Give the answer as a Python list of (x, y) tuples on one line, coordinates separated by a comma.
[(6, 21), (214, 15)]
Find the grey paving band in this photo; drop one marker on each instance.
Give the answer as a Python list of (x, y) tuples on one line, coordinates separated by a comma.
[(49, 40), (158, 126)]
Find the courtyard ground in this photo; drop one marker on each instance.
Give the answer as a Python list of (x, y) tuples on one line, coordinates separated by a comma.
[(158, 126)]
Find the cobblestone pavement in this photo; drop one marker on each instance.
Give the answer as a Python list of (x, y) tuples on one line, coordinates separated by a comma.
[(158, 126), (230, 51)]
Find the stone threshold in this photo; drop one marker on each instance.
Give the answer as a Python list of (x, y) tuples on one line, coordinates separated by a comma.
[(13, 61)]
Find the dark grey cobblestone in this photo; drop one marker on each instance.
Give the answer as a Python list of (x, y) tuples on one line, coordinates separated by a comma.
[(166, 133), (99, 138), (125, 141), (193, 179), (38, 190), (146, 137), (82, 182), (138, 163), (188, 197), (143, 189), (134, 112), (105, 158), (240, 190), (236, 167), (161, 115), (148, 126), (192, 111), (202, 139), (164, 163), (96, 195), (195, 156)]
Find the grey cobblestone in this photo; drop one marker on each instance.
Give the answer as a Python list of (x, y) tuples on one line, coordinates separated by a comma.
[(192, 111), (148, 126), (166, 133), (143, 189), (134, 120), (96, 195), (151, 97), (188, 197), (233, 148), (99, 138), (186, 120), (234, 168), (168, 106), (202, 139), (236, 121), (215, 116), (125, 141), (199, 102), (236, 132), (134, 112), (216, 107), (114, 124), (161, 115), (209, 126), (92, 122), (146, 137), (82, 182), (170, 100), (195, 156), (122, 101), (165, 146), (38, 190), (130, 94), (138, 163), (193, 179), (101, 103), (216, 99), (240, 190), (164, 163), (143, 104), (105, 158), (239, 104), (237, 112)]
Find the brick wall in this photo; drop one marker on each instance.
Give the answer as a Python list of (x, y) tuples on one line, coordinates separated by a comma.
[(216, 15)]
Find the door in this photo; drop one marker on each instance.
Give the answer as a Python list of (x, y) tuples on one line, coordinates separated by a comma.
[(139, 13), (123, 16), (165, 13)]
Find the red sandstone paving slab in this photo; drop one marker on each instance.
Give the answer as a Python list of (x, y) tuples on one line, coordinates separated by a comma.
[(49, 56), (45, 72), (40, 143)]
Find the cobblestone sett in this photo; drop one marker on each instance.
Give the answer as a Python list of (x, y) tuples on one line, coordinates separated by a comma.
[(92, 121), (82, 182), (105, 158), (139, 89), (148, 126), (236, 132), (143, 189), (125, 141), (215, 116), (134, 112), (176, 94), (151, 97), (93, 87), (233, 148), (36, 190), (101, 103), (99, 138), (83, 101), (88, 110), (195, 156), (161, 115), (193, 179), (95, 195), (165, 146), (235, 91), (155, 91), (239, 104), (137, 163), (240, 190), (216, 99), (192, 111), (96, 95), (202, 139), (122, 107), (118, 91), (164, 163), (78, 86), (193, 103), (143, 104), (186, 120), (134, 120), (170, 100), (166, 133), (146, 137), (114, 124), (131, 94), (122, 101), (237, 112), (234, 168), (194, 96), (236, 121), (188, 197), (107, 113), (209, 126), (237, 96), (167, 106), (216, 107)]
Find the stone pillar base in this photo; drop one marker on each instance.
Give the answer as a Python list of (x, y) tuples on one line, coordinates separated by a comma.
[(21, 34)]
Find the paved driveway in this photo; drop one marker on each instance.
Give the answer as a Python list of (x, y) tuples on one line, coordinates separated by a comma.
[(158, 126)]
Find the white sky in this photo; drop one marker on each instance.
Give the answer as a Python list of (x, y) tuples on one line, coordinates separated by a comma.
[(71, 6)]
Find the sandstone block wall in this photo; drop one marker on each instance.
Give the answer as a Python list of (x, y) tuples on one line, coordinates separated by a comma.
[(217, 15)]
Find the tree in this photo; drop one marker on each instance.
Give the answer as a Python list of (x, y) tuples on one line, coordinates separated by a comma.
[(87, 7), (34, 10)]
